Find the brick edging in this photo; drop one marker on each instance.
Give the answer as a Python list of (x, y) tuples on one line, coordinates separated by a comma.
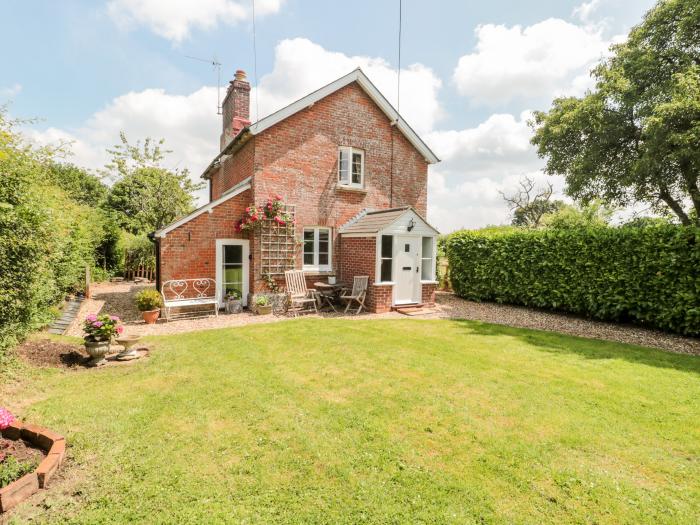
[(50, 442)]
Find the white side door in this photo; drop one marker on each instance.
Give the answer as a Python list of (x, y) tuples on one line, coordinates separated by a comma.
[(407, 270), (231, 268)]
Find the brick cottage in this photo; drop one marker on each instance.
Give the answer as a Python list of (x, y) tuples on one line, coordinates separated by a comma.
[(351, 172)]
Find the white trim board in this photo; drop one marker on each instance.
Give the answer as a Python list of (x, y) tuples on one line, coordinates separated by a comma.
[(235, 190)]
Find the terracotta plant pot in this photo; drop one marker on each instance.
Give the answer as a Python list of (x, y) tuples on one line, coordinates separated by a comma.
[(97, 350), (151, 316)]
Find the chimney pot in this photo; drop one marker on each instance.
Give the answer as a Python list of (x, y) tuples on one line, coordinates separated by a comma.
[(236, 107)]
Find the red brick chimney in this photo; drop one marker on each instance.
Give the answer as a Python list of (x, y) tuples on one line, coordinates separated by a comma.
[(236, 107)]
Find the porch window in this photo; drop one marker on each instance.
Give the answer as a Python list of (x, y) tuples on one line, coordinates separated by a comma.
[(427, 272), (387, 253), (351, 167), (317, 249)]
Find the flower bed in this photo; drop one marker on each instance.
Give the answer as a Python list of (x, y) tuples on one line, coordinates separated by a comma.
[(18, 456)]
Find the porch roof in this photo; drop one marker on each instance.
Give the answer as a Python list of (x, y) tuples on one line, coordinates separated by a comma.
[(373, 222)]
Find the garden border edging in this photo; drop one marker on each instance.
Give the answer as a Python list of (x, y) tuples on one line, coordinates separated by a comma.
[(50, 442)]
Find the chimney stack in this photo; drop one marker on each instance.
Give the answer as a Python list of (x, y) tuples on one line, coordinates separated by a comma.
[(236, 107)]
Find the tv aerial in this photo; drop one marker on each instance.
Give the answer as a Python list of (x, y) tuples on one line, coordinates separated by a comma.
[(214, 62)]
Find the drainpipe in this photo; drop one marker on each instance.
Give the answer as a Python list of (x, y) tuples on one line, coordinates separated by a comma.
[(156, 241)]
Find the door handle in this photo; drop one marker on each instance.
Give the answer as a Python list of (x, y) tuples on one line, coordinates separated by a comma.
[(407, 268)]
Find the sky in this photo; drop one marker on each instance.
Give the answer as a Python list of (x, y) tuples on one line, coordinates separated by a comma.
[(471, 74)]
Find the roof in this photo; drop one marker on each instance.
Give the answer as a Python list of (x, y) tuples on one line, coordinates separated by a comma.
[(354, 76), (230, 193), (371, 222)]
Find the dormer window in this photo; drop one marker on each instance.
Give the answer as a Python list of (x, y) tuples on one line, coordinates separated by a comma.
[(351, 167)]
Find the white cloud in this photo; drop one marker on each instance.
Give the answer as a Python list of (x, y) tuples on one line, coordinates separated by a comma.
[(11, 91), (532, 63), (586, 10), (189, 122), (477, 164), (302, 66), (174, 19)]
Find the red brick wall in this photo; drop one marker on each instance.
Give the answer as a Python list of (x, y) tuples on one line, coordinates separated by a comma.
[(357, 256), (428, 293), (297, 159), (189, 251), (234, 169)]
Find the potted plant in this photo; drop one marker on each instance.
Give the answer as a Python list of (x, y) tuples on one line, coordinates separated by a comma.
[(262, 305), (233, 301), (149, 303), (99, 330)]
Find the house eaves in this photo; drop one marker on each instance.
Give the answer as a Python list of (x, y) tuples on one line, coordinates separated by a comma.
[(354, 76), (232, 192)]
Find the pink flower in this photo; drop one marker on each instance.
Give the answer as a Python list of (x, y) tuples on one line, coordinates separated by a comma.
[(278, 197), (97, 324), (114, 318), (91, 317), (6, 418), (120, 329)]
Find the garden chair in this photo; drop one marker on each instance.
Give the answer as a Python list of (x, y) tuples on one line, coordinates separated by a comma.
[(299, 296), (357, 294)]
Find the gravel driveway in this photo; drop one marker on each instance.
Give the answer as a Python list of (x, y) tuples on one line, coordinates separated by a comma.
[(118, 299)]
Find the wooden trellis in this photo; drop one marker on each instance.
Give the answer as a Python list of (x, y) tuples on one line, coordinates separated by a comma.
[(278, 246)]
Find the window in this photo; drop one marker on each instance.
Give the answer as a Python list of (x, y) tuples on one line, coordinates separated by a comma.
[(386, 254), (351, 167), (426, 272), (317, 249), (232, 273)]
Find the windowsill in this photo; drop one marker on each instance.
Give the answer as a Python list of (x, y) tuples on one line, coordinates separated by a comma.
[(430, 282), (384, 283), (355, 189), (318, 271)]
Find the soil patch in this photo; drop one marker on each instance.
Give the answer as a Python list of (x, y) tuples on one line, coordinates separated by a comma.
[(20, 450), (45, 352)]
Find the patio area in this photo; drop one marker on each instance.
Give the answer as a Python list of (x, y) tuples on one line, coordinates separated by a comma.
[(118, 299)]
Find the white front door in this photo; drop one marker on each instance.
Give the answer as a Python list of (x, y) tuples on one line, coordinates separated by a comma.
[(231, 268), (407, 270)]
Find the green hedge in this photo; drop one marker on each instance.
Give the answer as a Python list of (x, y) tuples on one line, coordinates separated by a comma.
[(46, 240), (649, 276)]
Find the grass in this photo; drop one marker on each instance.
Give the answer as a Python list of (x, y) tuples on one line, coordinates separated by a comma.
[(393, 421)]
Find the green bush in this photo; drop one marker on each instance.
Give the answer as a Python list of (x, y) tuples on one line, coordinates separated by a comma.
[(148, 299), (645, 275), (46, 238)]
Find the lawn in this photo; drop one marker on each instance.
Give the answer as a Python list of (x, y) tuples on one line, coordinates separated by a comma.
[(392, 421)]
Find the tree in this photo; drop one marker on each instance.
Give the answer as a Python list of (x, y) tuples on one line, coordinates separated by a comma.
[(570, 216), (78, 183), (146, 196), (529, 204), (634, 138)]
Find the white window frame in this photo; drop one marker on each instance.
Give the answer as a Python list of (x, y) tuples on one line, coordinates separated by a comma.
[(316, 266), (432, 258), (350, 151)]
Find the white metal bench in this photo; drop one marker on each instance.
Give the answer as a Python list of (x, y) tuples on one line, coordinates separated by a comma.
[(179, 293)]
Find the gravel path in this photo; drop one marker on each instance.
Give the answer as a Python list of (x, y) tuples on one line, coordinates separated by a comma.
[(118, 299)]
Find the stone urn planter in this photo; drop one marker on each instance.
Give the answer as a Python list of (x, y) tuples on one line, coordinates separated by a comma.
[(264, 309), (97, 350), (129, 352)]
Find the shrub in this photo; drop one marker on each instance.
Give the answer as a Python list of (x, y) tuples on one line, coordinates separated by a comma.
[(11, 469), (646, 275), (262, 300), (148, 299)]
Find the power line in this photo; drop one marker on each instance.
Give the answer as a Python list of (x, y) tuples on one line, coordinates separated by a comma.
[(398, 75), (255, 68)]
